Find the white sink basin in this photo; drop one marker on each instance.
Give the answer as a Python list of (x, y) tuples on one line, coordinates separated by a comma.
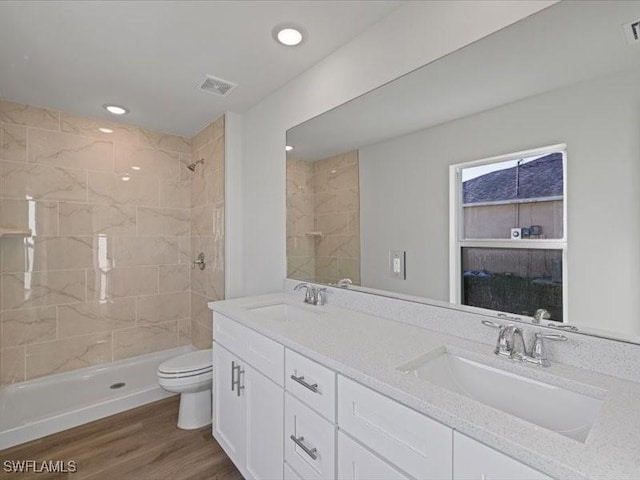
[(285, 312), (555, 408)]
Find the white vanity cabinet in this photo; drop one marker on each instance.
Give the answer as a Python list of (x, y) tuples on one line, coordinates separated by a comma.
[(474, 461), (248, 407), (280, 415)]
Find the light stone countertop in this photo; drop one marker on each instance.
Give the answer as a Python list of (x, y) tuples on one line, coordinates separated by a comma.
[(368, 349)]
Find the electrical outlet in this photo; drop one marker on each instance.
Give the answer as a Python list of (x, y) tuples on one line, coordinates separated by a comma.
[(397, 260)]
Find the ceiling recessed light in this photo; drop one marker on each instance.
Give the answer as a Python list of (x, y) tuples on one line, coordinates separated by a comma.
[(289, 36), (135, 167), (125, 178), (288, 148), (105, 130), (115, 109)]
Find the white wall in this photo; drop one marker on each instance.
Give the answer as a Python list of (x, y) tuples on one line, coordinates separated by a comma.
[(233, 138), (412, 35), (404, 194)]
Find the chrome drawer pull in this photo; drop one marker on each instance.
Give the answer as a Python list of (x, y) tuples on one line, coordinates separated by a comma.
[(233, 375), (311, 452), (300, 380), (236, 382), (240, 387)]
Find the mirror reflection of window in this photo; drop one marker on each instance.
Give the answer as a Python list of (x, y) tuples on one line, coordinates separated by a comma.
[(518, 281), (515, 197), (509, 249)]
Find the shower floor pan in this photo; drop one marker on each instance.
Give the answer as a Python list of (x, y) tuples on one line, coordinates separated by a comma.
[(34, 409)]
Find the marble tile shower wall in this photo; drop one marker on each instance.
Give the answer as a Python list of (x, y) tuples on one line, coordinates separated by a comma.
[(105, 274), (337, 216), (323, 219), (301, 262), (207, 228)]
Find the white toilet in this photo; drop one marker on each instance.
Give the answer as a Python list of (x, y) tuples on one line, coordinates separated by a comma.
[(191, 376)]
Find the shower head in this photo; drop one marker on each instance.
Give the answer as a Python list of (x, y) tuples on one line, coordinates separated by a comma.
[(192, 166)]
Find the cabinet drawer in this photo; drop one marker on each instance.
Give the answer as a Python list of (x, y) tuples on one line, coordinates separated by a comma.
[(312, 383), (312, 453), (473, 460), (260, 352), (357, 463), (416, 444)]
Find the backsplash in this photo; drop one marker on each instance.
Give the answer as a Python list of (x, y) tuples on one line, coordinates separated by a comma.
[(611, 357), (106, 273)]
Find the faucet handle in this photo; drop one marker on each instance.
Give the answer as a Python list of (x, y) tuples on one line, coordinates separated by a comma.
[(321, 296), (539, 351), (551, 336)]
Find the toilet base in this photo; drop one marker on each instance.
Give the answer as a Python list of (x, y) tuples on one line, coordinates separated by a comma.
[(195, 410)]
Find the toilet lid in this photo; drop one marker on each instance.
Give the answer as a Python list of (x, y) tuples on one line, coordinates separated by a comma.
[(199, 361)]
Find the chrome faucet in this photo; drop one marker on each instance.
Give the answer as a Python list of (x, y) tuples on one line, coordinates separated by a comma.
[(313, 295), (507, 346), (511, 344)]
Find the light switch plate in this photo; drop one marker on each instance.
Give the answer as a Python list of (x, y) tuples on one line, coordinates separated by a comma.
[(397, 261)]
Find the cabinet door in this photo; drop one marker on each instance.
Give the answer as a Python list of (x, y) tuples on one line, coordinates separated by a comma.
[(290, 474), (229, 428), (265, 425), (357, 463), (474, 461)]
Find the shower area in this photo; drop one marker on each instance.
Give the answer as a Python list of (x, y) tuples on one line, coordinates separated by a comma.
[(111, 246)]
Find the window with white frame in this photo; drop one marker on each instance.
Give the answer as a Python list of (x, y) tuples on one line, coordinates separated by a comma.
[(508, 234)]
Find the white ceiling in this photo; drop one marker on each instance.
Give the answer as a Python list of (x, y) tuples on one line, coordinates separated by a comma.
[(150, 56), (559, 46)]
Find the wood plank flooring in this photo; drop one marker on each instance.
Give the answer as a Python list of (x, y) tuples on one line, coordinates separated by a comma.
[(140, 444)]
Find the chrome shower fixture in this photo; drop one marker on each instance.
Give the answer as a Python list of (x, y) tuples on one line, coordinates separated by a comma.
[(192, 166)]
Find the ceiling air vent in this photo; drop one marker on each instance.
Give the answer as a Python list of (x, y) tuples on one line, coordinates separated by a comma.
[(217, 86), (632, 32)]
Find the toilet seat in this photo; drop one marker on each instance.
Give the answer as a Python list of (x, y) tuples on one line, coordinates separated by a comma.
[(194, 373), (178, 383), (187, 365)]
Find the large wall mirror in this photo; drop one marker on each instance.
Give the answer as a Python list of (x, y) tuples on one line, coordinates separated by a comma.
[(504, 176)]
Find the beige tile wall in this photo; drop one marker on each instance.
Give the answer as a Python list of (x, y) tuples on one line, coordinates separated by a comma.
[(300, 220), (324, 197), (207, 228), (106, 273)]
